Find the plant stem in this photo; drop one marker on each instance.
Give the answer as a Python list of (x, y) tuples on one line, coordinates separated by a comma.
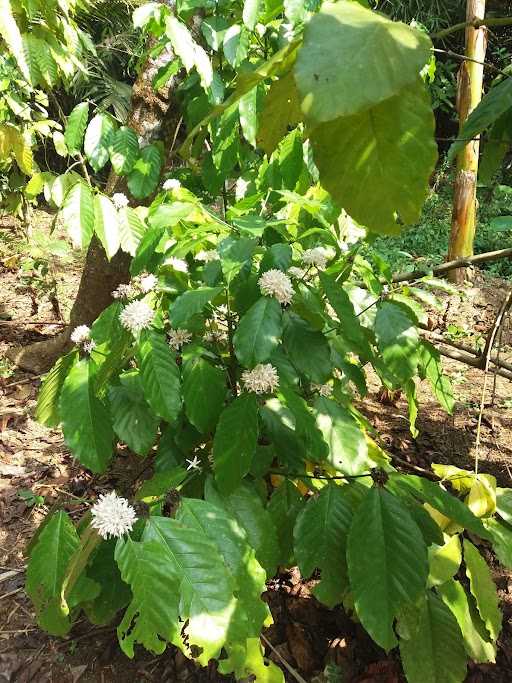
[(477, 23)]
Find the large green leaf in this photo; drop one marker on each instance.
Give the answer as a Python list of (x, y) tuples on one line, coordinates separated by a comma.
[(114, 593), (431, 493), (85, 418), (131, 229), (378, 163), (431, 645), (78, 214), (191, 303), (501, 539), (11, 34), (259, 332), (496, 103), (284, 507), (320, 540), (504, 504), (234, 253), (398, 341), (305, 424), (47, 409), (281, 111), (246, 506), (348, 449), (444, 561), (98, 138), (476, 641), (145, 174), (75, 127), (387, 563), (247, 108), (307, 348), (235, 442), (159, 374), (204, 393), (483, 589), (124, 150), (132, 419), (353, 58), (430, 363), (46, 569), (106, 224)]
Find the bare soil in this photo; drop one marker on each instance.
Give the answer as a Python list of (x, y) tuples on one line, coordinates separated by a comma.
[(305, 635)]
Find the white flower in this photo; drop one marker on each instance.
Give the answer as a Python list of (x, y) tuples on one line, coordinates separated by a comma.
[(178, 264), (194, 464), (179, 337), (315, 257), (171, 184), (89, 346), (124, 291), (241, 186), (112, 515), (80, 334), (147, 282), (119, 200), (324, 390), (216, 337), (277, 284), (297, 273), (136, 316), (207, 256), (262, 379)]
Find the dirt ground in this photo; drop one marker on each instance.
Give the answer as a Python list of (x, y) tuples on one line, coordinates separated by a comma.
[(305, 635)]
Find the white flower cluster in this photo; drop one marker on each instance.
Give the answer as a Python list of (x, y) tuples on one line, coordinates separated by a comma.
[(124, 291), (171, 184), (216, 337), (262, 379), (207, 256), (136, 316), (177, 263), (324, 390), (120, 200), (315, 257), (275, 283), (112, 515), (141, 284), (241, 187), (81, 336), (179, 337), (297, 273)]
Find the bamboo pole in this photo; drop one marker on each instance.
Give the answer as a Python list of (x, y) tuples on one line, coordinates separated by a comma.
[(469, 94)]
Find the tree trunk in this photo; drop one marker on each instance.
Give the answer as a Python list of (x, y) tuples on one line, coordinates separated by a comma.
[(469, 94), (151, 116)]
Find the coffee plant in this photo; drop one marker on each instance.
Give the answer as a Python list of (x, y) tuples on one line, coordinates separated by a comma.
[(232, 361)]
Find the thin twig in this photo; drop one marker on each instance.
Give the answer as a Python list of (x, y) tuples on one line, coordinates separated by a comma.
[(476, 23), (7, 595), (32, 322), (27, 380), (283, 661), (463, 58)]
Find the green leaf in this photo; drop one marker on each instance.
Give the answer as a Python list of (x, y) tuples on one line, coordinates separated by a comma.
[(145, 174), (378, 163), (78, 214), (281, 112), (346, 45), (307, 348), (98, 138), (444, 561), (235, 45), (245, 505), (131, 229), (190, 53), (47, 409), (398, 341), (291, 158), (495, 148), (11, 34), (501, 539), (161, 483), (430, 363), (431, 648), (75, 127), (235, 442), (305, 424), (431, 493), (234, 252), (204, 393), (124, 150), (320, 539), (133, 421), (384, 542), (152, 616), (483, 589), (106, 224), (473, 630), (504, 504), (251, 12), (496, 103), (284, 506), (85, 418), (114, 593), (159, 374), (247, 111), (49, 560), (259, 332), (190, 303), (348, 449)]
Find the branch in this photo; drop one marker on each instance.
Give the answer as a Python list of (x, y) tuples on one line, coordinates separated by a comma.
[(451, 265), (477, 23), (463, 58)]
